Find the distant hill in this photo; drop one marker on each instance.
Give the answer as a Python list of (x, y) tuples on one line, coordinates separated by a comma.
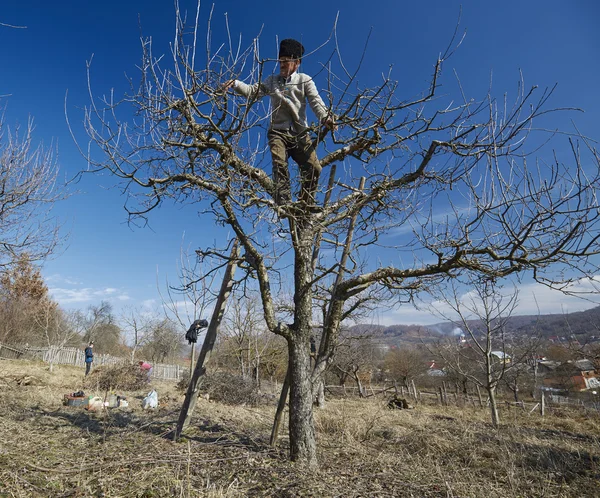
[(583, 325)]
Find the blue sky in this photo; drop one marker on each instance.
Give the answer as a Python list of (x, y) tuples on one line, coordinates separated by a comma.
[(550, 41)]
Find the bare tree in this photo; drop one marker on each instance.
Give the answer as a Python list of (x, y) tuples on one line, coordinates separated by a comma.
[(164, 341), (58, 328), (243, 328), (405, 364), (357, 358), (101, 327), (139, 325), (450, 184), (28, 191), (193, 295), (489, 352)]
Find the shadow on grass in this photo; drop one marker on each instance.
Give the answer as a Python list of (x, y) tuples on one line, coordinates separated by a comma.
[(114, 422), (560, 464)]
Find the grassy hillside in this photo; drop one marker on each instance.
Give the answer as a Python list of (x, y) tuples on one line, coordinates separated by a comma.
[(583, 326), (47, 449)]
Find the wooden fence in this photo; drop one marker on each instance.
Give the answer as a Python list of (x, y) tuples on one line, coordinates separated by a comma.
[(10, 353), (475, 399), (76, 357)]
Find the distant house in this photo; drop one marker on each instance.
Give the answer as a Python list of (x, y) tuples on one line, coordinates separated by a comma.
[(577, 375), (434, 371), (547, 367), (502, 356)]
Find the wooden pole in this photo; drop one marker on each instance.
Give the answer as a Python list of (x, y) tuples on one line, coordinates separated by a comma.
[(191, 395), (280, 407), (543, 405), (192, 359)]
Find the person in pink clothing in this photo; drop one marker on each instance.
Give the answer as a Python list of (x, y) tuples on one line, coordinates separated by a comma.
[(146, 368)]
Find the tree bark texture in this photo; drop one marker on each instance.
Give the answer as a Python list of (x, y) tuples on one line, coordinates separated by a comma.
[(302, 430)]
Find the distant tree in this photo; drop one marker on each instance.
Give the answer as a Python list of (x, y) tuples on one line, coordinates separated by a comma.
[(23, 294), (488, 353), (100, 326), (58, 328), (451, 184), (405, 364), (23, 280), (164, 342), (273, 359), (357, 358), (560, 353), (244, 327), (138, 324)]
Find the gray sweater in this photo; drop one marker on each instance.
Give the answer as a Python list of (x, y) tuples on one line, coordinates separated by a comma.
[(288, 99)]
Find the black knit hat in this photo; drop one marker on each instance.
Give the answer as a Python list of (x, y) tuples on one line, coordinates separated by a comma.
[(291, 48)]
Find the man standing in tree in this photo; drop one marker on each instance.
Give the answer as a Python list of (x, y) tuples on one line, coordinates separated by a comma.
[(89, 357), (288, 132)]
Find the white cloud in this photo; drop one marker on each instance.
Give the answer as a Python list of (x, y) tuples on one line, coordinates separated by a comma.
[(533, 298), (149, 303), (57, 278), (87, 294)]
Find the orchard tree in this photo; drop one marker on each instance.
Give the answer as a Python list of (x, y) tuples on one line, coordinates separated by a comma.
[(405, 364), (490, 353), (355, 358), (138, 326), (100, 326), (163, 341), (452, 185), (243, 328)]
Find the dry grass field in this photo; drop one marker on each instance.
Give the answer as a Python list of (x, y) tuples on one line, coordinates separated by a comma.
[(365, 450)]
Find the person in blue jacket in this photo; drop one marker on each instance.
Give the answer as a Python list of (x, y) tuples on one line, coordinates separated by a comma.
[(89, 357)]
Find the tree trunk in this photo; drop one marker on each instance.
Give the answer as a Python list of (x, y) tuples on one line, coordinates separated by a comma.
[(361, 393), (303, 445), (493, 407), (516, 393), (320, 393), (535, 377)]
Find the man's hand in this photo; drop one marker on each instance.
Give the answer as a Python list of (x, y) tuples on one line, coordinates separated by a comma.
[(330, 123), (228, 84)]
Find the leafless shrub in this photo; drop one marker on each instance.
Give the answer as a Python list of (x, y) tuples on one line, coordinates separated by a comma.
[(234, 390)]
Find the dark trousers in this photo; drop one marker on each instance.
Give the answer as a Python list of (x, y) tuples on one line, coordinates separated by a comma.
[(285, 144), (88, 367)]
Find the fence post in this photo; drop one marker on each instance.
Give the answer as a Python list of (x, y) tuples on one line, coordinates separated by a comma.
[(543, 405)]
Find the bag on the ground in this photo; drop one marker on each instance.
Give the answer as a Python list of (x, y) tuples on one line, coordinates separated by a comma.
[(151, 400)]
